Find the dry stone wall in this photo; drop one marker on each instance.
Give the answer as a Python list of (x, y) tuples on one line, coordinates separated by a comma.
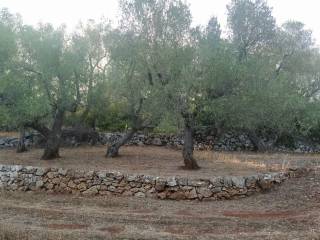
[(57, 180), (227, 142)]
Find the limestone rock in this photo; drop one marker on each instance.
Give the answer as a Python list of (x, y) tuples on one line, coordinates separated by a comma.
[(205, 192), (51, 175), (72, 185), (238, 182), (41, 171), (39, 184), (82, 187), (162, 195), (251, 180), (62, 172), (91, 191), (140, 194), (160, 184), (192, 194), (172, 182), (179, 195), (198, 183)]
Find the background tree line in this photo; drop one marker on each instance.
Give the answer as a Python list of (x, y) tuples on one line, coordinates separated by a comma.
[(155, 72)]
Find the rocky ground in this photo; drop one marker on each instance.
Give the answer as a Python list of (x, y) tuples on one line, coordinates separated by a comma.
[(291, 211)]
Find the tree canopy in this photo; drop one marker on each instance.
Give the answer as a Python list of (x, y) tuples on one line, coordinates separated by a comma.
[(155, 69)]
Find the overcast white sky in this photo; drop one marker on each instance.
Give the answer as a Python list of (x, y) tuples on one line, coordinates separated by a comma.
[(71, 11)]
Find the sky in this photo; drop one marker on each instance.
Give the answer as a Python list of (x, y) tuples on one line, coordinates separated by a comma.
[(72, 11)]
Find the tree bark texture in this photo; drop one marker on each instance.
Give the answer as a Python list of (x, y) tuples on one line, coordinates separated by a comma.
[(187, 152), (21, 145), (113, 150), (51, 150), (258, 143)]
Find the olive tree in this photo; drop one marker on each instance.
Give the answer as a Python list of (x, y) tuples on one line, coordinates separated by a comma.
[(297, 57), (271, 100), (52, 74), (10, 80), (151, 32), (264, 107), (252, 26), (49, 61), (91, 42)]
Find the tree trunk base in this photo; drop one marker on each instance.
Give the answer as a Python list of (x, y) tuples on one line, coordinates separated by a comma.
[(113, 151), (21, 145), (258, 144), (21, 148), (190, 163), (50, 154)]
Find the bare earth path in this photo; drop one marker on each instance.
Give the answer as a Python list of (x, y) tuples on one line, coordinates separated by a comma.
[(291, 211)]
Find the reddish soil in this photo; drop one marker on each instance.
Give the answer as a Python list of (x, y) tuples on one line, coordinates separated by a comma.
[(55, 226), (262, 215), (290, 211), (113, 229)]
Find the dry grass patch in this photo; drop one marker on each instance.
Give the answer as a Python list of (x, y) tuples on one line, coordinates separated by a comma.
[(8, 232), (14, 232), (9, 134)]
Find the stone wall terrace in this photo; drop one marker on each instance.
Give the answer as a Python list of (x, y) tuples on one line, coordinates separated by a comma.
[(58, 180)]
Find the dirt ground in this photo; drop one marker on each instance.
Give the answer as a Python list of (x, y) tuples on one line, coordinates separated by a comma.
[(161, 161), (291, 211)]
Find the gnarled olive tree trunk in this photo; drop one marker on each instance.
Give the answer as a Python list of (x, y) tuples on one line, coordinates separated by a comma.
[(259, 144), (187, 152), (51, 150), (21, 145), (137, 124), (113, 150), (52, 136)]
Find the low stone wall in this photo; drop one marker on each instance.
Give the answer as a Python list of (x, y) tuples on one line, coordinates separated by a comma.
[(227, 142), (54, 180)]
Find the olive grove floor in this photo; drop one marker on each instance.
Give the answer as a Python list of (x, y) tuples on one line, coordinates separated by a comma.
[(161, 161), (290, 211)]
